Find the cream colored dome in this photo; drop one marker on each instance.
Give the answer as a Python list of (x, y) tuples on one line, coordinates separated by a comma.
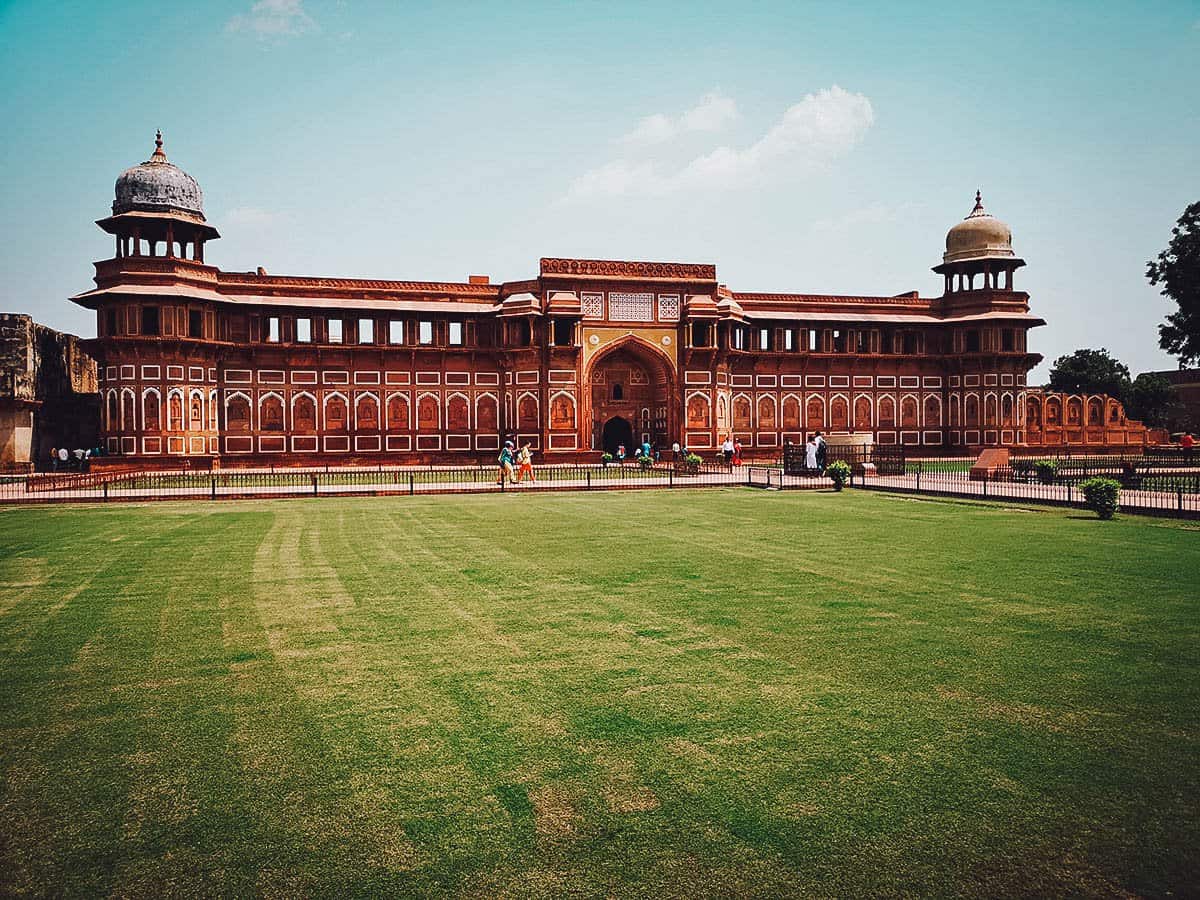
[(978, 236)]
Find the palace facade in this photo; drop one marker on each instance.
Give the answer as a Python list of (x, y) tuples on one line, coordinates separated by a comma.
[(588, 354)]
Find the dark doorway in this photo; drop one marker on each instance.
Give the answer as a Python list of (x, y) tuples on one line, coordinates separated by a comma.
[(618, 431)]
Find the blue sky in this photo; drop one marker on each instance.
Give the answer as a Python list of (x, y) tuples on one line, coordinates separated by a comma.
[(799, 147)]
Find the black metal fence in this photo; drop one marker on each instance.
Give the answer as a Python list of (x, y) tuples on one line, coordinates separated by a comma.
[(1170, 494), (100, 486)]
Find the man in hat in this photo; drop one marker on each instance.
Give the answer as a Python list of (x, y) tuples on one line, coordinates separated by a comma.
[(506, 463)]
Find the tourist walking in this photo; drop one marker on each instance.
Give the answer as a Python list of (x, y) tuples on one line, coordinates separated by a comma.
[(64, 456), (506, 463), (525, 464), (53, 459), (737, 451), (621, 453), (810, 454), (727, 449), (821, 452)]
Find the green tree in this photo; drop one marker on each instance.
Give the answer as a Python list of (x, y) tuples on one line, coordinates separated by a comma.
[(1090, 372), (1177, 269), (1151, 399)]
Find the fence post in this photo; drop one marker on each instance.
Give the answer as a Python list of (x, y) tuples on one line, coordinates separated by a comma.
[(212, 487), (671, 477), (106, 491), (918, 478), (985, 481), (1070, 490), (1179, 494), (410, 484), (314, 478), (588, 473)]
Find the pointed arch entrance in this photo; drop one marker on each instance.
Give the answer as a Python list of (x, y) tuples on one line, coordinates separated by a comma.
[(632, 382), (617, 432)]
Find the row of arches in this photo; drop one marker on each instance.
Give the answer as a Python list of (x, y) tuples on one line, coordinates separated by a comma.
[(1074, 411), (185, 409), (862, 412), (271, 411)]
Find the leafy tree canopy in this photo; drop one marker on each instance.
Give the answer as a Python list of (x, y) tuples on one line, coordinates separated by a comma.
[(1177, 269), (1152, 400), (1090, 372)]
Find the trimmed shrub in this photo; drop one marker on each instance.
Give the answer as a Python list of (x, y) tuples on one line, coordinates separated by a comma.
[(839, 472), (1101, 495), (1047, 470), (606, 458), (645, 462)]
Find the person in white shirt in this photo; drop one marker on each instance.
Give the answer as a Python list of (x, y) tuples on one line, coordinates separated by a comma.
[(727, 448)]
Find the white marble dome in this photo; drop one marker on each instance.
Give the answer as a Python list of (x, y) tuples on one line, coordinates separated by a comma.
[(158, 186)]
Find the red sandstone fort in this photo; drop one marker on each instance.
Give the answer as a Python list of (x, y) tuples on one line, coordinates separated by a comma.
[(197, 362)]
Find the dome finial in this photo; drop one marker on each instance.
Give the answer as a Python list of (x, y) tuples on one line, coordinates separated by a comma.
[(978, 210), (158, 155)]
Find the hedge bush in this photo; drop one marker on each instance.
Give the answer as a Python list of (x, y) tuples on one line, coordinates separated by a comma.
[(838, 471), (1101, 495)]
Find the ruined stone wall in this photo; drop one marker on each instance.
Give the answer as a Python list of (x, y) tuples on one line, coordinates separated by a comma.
[(48, 392)]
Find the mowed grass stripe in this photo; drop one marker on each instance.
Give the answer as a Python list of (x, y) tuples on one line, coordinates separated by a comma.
[(674, 693)]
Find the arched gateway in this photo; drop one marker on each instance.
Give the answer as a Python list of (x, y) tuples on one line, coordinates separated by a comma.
[(630, 398)]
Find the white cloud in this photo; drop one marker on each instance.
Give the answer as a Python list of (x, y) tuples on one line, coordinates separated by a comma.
[(712, 113), (273, 18), (812, 133)]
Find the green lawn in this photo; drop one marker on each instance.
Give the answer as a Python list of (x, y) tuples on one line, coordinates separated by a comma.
[(682, 693)]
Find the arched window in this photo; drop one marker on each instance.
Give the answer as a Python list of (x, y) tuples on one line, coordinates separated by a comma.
[(174, 412), (1095, 412), (366, 413), (428, 418), (114, 417), (1033, 413), (335, 413), (304, 414), (237, 415), (839, 414), (972, 411), (933, 412), (562, 412), (1053, 411), (989, 407), (397, 413), (1006, 410), (458, 416), (741, 412), (196, 412), (816, 414), (618, 392), (128, 411), (887, 413), (862, 414), (486, 415), (1074, 411), (955, 411), (791, 414), (766, 413), (270, 417), (527, 413), (150, 411), (697, 411), (908, 413)]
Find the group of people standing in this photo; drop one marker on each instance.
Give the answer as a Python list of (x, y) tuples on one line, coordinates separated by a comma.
[(64, 460), (814, 452), (732, 450), (515, 465)]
